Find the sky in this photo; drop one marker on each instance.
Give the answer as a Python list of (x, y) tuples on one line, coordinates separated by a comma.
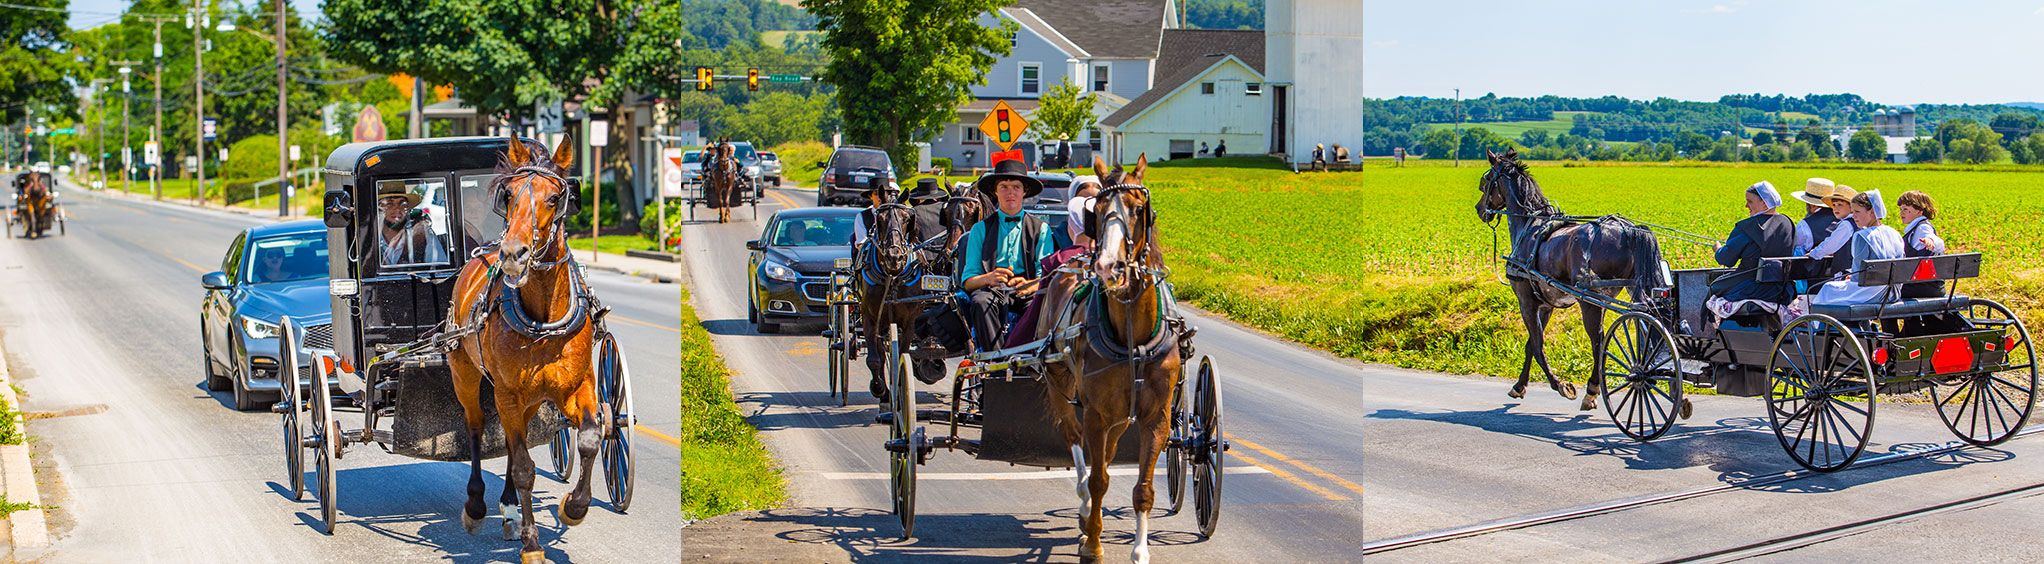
[(1889, 51), (92, 13)]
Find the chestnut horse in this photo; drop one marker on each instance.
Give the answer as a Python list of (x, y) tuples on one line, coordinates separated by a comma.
[(720, 178), (33, 207), (531, 324), (1124, 365)]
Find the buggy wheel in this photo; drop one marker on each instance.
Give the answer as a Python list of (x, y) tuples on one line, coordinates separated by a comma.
[(902, 434), (1175, 456), (1640, 374), (290, 408), (1210, 448), (839, 341), (1820, 396), (1987, 408), (614, 379), (60, 222), (325, 442), (564, 459)]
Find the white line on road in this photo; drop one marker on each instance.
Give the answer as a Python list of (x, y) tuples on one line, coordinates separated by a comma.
[(1037, 475)]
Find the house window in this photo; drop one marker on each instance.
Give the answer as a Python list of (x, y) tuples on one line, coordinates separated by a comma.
[(1253, 89), (1011, 40), (1099, 78), (1206, 88), (972, 135), (1032, 78), (1093, 138)]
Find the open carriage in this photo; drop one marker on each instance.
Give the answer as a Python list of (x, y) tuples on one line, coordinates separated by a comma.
[(34, 221), (389, 309), (1822, 371)]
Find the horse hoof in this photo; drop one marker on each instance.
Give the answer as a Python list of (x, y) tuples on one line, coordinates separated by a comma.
[(1517, 393), (534, 557), (1686, 408), (1589, 403), (469, 523), (1567, 390), (571, 517)]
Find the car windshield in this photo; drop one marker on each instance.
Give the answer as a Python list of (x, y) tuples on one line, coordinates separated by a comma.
[(834, 231), (287, 258), (692, 157), (853, 160), (745, 153)]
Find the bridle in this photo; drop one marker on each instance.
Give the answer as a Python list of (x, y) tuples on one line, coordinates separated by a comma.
[(1132, 351), (898, 213), (1135, 242), (555, 229)]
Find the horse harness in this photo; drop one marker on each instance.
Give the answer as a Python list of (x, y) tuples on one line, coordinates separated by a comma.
[(1170, 334)]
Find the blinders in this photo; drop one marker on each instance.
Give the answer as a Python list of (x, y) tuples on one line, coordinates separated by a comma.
[(500, 202), (1092, 217)]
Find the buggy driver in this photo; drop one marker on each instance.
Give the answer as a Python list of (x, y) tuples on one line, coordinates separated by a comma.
[(406, 238)]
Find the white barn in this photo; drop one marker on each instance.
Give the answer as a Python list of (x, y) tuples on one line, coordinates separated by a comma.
[(1210, 91), (1314, 51)]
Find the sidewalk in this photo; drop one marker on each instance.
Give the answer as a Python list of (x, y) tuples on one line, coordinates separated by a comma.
[(656, 270), (28, 530)]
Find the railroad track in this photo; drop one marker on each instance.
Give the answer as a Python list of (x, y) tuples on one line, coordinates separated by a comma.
[(1773, 545)]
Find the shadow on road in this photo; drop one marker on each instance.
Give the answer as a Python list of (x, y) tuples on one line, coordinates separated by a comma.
[(374, 499), (871, 535)]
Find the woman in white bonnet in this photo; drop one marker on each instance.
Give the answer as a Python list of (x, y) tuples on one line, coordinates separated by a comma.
[(1872, 241)]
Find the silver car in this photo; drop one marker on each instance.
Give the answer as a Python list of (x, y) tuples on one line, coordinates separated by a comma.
[(270, 271), (770, 168)]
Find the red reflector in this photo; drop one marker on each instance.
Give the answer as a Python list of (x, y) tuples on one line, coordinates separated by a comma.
[(1954, 354), (1925, 271), (1915, 354), (1881, 356)]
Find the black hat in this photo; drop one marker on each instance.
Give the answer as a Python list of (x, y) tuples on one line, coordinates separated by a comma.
[(1009, 170), (928, 189)]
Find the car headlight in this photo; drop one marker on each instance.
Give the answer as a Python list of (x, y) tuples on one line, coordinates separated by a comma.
[(258, 329), (781, 272)]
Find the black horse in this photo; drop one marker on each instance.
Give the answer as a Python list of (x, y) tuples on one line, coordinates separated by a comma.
[(1573, 251)]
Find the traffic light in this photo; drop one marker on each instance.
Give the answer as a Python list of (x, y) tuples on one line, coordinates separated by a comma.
[(703, 78), (752, 80)]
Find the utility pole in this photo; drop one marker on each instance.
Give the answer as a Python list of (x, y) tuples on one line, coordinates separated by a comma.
[(99, 99), (283, 125), (1458, 128), (127, 155), (155, 132), (199, 98)]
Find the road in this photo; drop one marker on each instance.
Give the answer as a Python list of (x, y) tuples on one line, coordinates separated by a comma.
[(142, 463), (1449, 451), (1292, 493)]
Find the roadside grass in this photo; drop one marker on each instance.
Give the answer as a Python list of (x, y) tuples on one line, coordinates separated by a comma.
[(11, 432), (798, 162), (1392, 266), (9, 507), (613, 244), (724, 467)]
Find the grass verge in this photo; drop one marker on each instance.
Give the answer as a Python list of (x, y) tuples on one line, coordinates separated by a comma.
[(613, 244), (9, 507), (724, 467)]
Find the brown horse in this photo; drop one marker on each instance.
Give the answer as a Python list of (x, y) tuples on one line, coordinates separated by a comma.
[(965, 208), (720, 178), (1572, 251), (532, 324), (889, 270), (34, 204), (1124, 366)]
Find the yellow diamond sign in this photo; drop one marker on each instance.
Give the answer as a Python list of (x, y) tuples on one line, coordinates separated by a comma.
[(1003, 125)]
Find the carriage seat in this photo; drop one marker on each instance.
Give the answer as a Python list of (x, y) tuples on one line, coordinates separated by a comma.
[(1897, 272), (1890, 310)]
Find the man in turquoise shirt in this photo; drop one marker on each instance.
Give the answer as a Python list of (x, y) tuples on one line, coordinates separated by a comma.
[(998, 258)]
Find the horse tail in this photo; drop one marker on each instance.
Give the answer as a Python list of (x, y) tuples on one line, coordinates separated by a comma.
[(1646, 262)]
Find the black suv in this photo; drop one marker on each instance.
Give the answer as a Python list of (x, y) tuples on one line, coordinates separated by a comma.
[(849, 171)]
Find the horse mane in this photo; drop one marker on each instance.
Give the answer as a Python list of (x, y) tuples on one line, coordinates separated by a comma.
[(1530, 200)]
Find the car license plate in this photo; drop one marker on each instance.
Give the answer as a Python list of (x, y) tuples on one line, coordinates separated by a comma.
[(841, 263), (936, 283)]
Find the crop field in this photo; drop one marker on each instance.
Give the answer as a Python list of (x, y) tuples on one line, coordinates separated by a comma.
[(1392, 265), (1560, 124)]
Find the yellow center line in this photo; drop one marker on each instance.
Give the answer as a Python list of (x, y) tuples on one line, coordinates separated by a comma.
[(1352, 486), (1331, 495), (194, 267), (642, 323), (663, 437), (784, 199)]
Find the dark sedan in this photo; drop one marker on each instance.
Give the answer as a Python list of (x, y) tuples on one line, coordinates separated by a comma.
[(270, 271), (790, 265)]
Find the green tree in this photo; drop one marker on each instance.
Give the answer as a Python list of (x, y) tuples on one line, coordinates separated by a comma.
[(776, 118), (2030, 150), (1867, 145), (1064, 113), (1802, 152), (1981, 143), (503, 55), (1763, 138), (903, 67), (1923, 150), (35, 60)]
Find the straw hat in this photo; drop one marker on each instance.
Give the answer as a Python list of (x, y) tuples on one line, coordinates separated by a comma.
[(1815, 191), (1843, 193), (397, 190)]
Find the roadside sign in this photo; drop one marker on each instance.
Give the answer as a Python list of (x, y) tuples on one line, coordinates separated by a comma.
[(208, 127), (191, 162), (551, 117), (1003, 125), (329, 119), (294, 152), (368, 125), (42, 130), (784, 78), (670, 172), (223, 154), (65, 131), (599, 133), (149, 153)]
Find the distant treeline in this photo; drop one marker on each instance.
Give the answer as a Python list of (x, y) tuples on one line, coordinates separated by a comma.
[(726, 22), (1224, 14)]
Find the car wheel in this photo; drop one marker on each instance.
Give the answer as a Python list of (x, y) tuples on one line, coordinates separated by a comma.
[(822, 199), (244, 399), (214, 381), (751, 311)]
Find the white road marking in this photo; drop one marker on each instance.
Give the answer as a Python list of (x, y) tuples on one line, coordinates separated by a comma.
[(1038, 475)]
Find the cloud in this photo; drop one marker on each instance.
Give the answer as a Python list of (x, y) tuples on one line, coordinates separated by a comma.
[(2040, 11)]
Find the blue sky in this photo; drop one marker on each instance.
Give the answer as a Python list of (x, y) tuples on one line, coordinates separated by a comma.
[(1890, 51), (91, 13)]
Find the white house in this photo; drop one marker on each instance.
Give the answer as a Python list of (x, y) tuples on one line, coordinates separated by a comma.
[(1211, 92), (1106, 47)]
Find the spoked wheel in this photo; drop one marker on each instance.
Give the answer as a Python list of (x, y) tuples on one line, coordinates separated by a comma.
[(60, 223), (902, 434), (1640, 374), (614, 380), (324, 441), (1820, 397), (291, 409), (1181, 441), (1987, 408), (840, 340), (564, 458), (1210, 448)]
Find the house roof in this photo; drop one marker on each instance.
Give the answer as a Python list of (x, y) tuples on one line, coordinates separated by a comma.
[(984, 105), (1185, 55), (1103, 28), (1034, 23)]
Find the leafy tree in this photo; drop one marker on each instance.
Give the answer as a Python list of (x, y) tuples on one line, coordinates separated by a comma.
[(1867, 145), (2014, 127), (1982, 143), (1726, 149), (1923, 150), (1802, 151), (903, 67), (503, 55), (1064, 113), (1534, 137), (776, 118), (34, 59), (1763, 138), (2030, 150)]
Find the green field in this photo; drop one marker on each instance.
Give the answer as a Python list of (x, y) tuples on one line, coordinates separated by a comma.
[(1512, 129)]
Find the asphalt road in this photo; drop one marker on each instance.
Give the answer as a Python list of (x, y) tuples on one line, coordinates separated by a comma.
[(1448, 451), (141, 463), (1292, 493)]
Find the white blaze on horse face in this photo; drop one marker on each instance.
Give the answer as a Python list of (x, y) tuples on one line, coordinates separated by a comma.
[(1113, 230)]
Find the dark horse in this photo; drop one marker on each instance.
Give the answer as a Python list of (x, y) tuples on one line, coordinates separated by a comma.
[(889, 270), (720, 178), (1125, 362), (33, 204), (531, 324), (1576, 252), (965, 208)]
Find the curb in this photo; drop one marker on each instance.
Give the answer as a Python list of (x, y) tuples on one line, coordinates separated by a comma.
[(186, 204), (30, 528), (654, 276)]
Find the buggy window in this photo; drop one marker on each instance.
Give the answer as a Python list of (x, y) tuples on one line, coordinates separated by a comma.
[(411, 223), (479, 223), (814, 232), (287, 258)]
